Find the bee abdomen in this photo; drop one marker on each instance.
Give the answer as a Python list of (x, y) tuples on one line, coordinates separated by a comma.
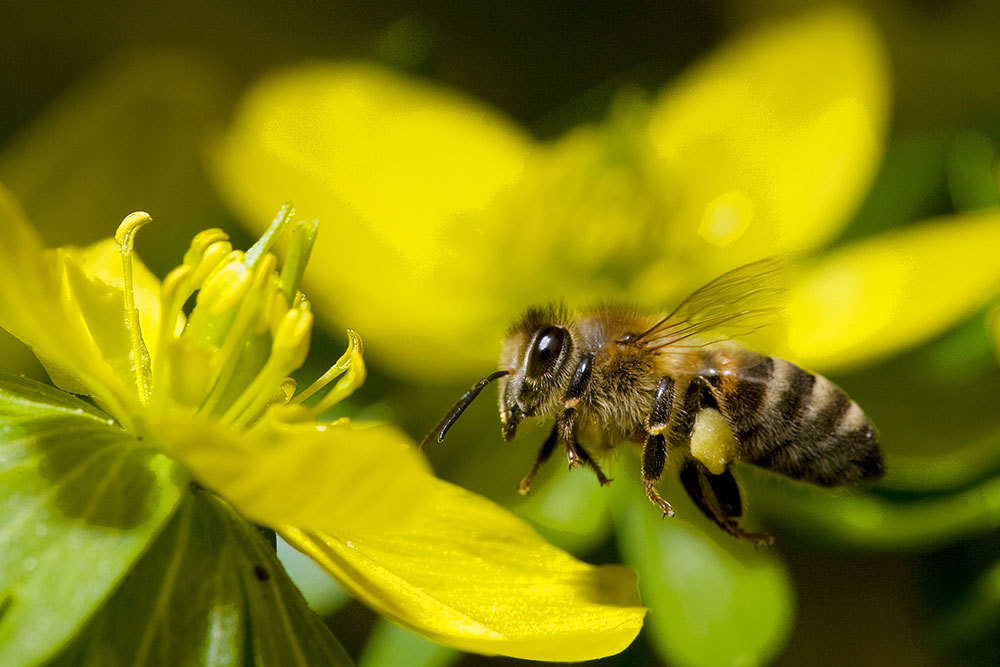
[(798, 424)]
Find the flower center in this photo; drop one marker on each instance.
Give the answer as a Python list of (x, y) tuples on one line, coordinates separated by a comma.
[(228, 356)]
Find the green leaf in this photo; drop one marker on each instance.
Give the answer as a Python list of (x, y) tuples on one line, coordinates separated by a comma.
[(569, 508), (971, 182), (390, 645), (321, 591), (873, 522), (952, 471), (976, 614), (210, 591), (80, 499), (712, 600)]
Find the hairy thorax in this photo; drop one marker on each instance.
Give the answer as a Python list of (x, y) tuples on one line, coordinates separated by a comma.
[(624, 379)]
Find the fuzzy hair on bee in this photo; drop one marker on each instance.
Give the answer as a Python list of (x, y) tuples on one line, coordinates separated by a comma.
[(611, 375)]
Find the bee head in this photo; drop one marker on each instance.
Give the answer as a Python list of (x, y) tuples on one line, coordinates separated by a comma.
[(538, 350)]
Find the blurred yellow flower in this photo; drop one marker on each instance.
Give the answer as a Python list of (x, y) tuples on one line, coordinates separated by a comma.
[(459, 220), (209, 387), (869, 299)]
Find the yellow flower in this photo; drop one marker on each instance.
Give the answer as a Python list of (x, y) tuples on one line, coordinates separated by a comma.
[(191, 382), (460, 219)]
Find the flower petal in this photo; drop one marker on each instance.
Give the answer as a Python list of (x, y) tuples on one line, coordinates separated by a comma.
[(38, 306), (399, 172), (102, 262), (324, 595), (358, 143), (475, 577), (768, 145), (92, 287), (883, 295), (328, 477)]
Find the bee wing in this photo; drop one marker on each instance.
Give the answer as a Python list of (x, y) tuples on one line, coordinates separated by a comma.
[(735, 303)]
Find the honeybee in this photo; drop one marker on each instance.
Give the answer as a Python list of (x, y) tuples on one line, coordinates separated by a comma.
[(613, 375)]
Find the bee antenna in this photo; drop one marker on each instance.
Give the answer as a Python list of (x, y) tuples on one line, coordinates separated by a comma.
[(449, 419)]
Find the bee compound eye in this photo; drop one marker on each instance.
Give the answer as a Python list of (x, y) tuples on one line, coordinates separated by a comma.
[(545, 352)]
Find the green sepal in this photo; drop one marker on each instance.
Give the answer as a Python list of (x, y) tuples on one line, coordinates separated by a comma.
[(80, 500), (210, 591)]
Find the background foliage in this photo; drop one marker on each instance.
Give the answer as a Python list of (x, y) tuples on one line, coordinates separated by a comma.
[(108, 107)]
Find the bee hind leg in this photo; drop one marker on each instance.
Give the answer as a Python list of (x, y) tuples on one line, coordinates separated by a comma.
[(718, 497), (654, 457), (654, 451)]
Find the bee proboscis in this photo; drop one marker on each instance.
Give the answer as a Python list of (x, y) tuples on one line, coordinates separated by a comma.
[(612, 375)]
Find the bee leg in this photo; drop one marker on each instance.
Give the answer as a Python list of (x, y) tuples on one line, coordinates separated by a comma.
[(566, 421), (654, 452), (718, 497), (544, 453), (585, 456), (671, 420), (654, 457), (565, 435), (575, 454)]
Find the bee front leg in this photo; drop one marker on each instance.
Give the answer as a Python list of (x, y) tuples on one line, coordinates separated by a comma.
[(543, 455), (602, 479), (566, 421), (576, 455)]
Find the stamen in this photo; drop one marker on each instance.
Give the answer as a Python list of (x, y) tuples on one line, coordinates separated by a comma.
[(211, 259), (288, 389), (256, 296), (225, 289), (170, 313), (288, 351), (354, 349), (208, 250), (303, 238), (200, 244), (139, 355), (218, 300), (271, 234), (345, 386)]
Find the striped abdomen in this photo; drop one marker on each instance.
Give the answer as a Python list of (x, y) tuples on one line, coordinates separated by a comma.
[(793, 422)]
